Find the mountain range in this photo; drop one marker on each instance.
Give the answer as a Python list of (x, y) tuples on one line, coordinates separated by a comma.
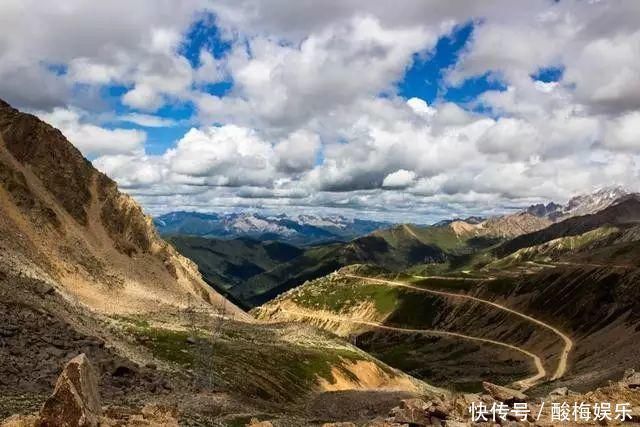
[(237, 267), (582, 204), (89, 288), (304, 229), (565, 292), (103, 322)]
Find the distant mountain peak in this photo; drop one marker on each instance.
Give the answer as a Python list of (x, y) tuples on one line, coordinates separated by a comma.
[(582, 204), (297, 229)]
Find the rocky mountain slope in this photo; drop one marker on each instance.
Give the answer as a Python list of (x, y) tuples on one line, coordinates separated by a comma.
[(576, 276), (623, 213), (582, 204), (64, 222), (82, 270)]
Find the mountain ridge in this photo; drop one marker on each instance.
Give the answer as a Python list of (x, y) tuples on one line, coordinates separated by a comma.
[(67, 222), (303, 229)]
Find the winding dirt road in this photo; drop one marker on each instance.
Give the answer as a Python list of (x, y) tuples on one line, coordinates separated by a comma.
[(524, 384), (568, 342)]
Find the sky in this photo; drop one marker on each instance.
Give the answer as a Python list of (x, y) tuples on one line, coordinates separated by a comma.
[(411, 111)]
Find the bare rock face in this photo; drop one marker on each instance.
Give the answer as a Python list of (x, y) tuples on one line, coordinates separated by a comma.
[(417, 412), (504, 394), (559, 392), (411, 411), (347, 424), (632, 379), (75, 401), (20, 421)]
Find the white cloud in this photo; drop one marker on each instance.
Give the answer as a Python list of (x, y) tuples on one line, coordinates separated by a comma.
[(298, 152), (304, 123), (420, 106), (224, 156), (515, 138), (93, 140), (284, 86), (147, 120), (604, 73), (623, 133), (399, 179), (98, 44)]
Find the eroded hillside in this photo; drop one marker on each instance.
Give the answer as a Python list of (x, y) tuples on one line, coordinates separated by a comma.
[(63, 221), (82, 270)]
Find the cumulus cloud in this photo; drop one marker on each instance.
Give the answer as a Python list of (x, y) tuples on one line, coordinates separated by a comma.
[(515, 138), (298, 152), (623, 133), (93, 140), (285, 86), (224, 156), (399, 179), (93, 44), (312, 118), (420, 106)]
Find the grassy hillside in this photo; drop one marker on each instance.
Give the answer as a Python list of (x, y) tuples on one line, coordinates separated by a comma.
[(387, 250), (443, 360), (226, 264), (579, 276), (253, 273)]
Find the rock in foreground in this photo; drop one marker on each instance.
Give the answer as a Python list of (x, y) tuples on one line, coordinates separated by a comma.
[(75, 400), (504, 394)]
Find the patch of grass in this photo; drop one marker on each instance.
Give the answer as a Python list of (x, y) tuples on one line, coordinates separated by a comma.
[(251, 360), (340, 296), (416, 309), (134, 320), (553, 249), (446, 284), (320, 365), (170, 345)]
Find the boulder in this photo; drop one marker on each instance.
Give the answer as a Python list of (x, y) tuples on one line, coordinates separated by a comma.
[(504, 394), (412, 412), (20, 421), (75, 401), (559, 392), (154, 416), (631, 379), (339, 425), (257, 423)]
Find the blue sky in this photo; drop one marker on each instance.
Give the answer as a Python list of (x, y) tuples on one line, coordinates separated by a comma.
[(424, 79)]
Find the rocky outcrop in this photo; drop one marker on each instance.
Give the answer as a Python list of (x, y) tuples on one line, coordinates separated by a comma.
[(632, 379), (75, 401), (417, 412), (504, 394), (70, 221)]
